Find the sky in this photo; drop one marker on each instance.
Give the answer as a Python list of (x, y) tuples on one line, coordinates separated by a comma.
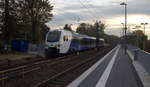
[(109, 12)]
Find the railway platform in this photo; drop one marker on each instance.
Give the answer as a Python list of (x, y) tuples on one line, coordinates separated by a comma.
[(116, 69)]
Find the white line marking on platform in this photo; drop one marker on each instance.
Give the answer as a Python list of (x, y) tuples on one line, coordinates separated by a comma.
[(103, 80), (77, 81), (130, 55)]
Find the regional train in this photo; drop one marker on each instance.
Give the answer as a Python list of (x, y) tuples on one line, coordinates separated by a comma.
[(64, 42)]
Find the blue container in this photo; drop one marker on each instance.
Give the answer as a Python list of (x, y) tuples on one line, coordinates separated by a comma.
[(20, 45)]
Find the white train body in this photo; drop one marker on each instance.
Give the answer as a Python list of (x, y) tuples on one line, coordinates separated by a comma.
[(60, 40), (63, 41)]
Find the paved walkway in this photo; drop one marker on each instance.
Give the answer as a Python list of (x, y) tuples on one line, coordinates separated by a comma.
[(114, 70)]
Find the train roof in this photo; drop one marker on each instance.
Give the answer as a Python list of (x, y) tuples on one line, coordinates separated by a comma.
[(77, 35), (82, 36)]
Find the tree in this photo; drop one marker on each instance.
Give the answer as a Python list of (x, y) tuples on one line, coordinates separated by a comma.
[(82, 29), (19, 17), (67, 27), (9, 19), (111, 39), (86, 29), (140, 37), (44, 30), (36, 12), (96, 30), (1, 22), (19, 14), (99, 29)]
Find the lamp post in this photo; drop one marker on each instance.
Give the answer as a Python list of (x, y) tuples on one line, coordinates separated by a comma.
[(123, 29), (123, 35), (124, 4), (144, 34)]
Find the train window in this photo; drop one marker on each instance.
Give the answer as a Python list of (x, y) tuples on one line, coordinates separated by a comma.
[(67, 39), (53, 36), (64, 38)]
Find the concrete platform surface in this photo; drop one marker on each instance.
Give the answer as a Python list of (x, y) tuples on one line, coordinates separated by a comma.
[(113, 70), (140, 69)]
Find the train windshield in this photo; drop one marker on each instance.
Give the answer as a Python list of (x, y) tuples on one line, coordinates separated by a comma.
[(53, 36)]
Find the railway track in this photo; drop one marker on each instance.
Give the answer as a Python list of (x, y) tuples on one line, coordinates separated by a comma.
[(63, 78), (41, 72), (24, 69)]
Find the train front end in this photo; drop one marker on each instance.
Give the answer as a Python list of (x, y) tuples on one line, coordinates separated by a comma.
[(52, 43)]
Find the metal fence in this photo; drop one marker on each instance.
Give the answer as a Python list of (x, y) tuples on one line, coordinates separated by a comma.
[(37, 49)]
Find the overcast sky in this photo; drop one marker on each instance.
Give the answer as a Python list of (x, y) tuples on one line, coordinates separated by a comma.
[(108, 11)]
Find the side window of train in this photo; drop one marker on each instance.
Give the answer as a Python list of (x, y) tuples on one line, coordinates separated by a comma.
[(65, 38)]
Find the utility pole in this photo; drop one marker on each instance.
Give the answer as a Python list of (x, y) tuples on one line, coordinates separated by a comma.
[(123, 29), (96, 34), (125, 26)]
